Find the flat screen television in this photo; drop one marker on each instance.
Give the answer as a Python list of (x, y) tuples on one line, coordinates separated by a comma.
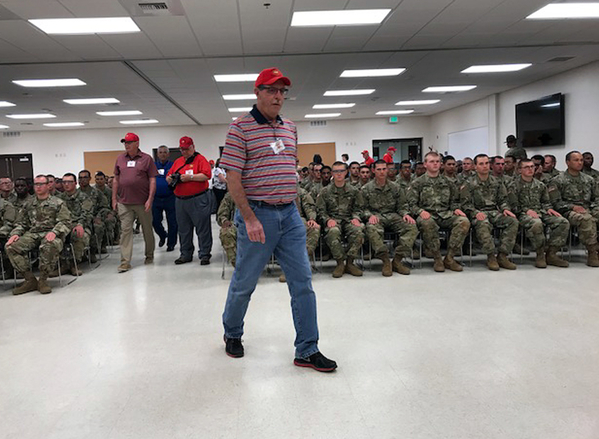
[(541, 122)]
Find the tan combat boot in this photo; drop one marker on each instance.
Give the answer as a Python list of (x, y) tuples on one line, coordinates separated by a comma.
[(282, 278), (504, 262), (30, 284), (351, 268), (398, 267), (492, 262), (339, 269), (438, 266), (540, 261), (42, 285), (553, 259), (75, 271), (592, 259), (451, 263), (387, 270)]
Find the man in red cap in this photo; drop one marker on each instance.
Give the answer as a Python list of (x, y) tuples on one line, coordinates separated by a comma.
[(367, 159), (388, 157), (260, 157), (133, 191), (189, 176)]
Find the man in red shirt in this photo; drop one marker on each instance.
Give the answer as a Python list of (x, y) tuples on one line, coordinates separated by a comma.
[(192, 171), (367, 159), (388, 157)]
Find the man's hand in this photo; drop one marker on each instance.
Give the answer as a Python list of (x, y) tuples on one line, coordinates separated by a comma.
[(312, 224), (481, 216), (373, 219), (255, 230), (109, 217), (331, 223), (13, 238), (186, 177), (114, 205), (356, 222), (458, 212), (51, 236), (425, 215), (507, 212), (579, 209), (408, 219), (169, 179), (531, 213), (226, 224), (78, 231), (148, 205), (554, 212), (98, 220)]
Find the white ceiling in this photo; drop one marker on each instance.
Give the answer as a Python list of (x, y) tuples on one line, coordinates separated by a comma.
[(166, 71)]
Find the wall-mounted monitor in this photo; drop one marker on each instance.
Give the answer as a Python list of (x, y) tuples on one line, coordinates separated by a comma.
[(541, 122)]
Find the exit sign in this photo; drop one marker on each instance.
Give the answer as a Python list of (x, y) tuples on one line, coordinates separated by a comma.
[(393, 119)]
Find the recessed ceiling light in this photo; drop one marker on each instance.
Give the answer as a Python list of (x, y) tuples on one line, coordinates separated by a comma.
[(243, 77), (566, 10), (349, 92), (119, 113), (64, 124), (328, 106), (91, 101), (371, 73), (419, 102), (138, 122), (319, 116), (384, 113), (449, 88), (82, 26), (66, 82), (239, 97), (339, 18), (31, 116), (4, 127), (6, 104), (239, 109), (498, 68)]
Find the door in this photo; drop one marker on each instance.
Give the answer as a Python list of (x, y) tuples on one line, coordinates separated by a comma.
[(17, 165), (104, 161), (306, 151)]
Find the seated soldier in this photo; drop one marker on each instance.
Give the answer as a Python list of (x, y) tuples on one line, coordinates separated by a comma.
[(386, 208), (315, 184), (391, 172), (450, 169), (405, 174), (22, 191), (364, 175), (420, 170), (228, 231), (436, 203), (486, 203), (7, 190), (101, 209), (8, 216), (530, 201), (354, 174), (110, 216), (339, 206), (44, 225), (574, 195)]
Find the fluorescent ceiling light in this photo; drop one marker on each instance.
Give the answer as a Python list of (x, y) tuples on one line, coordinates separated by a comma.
[(64, 124), (244, 77), (119, 113), (339, 18), (384, 113), (91, 101), (239, 109), (449, 88), (555, 104), (6, 104), (327, 106), (566, 10), (82, 26), (66, 82), (371, 73), (419, 102), (31, 116), (349, 92), (498, 68), (4, 127), (319, 116), (239, 97), (138, 122)]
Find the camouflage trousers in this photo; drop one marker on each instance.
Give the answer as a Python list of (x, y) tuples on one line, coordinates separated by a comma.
[(334, 239), (535, 230), (312, 237), (587, 226), (79, 244), (392, 222), (110, 225), (507, 225), (18, 252), (228, 238), (97, 237), (458, 226)]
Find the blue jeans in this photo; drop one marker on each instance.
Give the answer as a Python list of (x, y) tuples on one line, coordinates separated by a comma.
[(167, 205), (286, 238)]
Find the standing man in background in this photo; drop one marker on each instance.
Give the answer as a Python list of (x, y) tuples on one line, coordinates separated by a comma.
[(518, 152), (133, 191), (388, 157), (367, 159), (164, 201)]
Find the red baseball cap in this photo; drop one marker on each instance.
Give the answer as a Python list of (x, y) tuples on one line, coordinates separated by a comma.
[(130, 137), (270, 76), (211, 162), (391, 148), (365, 152), (185, 142)]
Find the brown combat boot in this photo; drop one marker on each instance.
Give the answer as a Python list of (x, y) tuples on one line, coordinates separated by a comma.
[(398, 267), (553, 259), (29, 285), (451, 263), (339, 269), (492, 262), (592, 259), (75, 271), (504, 262), (351, 268), (42, 285), (438, 266), (387, 270), (282, 278), (540, 261)]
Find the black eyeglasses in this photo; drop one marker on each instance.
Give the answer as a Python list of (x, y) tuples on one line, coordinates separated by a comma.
[(274, 90)]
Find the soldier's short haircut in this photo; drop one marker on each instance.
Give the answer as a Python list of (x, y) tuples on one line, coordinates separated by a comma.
[(569, 155), (511, 157), (318, 164), (338, 163), (5, 177), (467, 158), (326, 167), (523, 161), (162, 146), (431, 153), (380, 162), (100, 174), (24, 179), (305, 169), (587, 153), (552, 157), (36, 177), (448, 158), (354, 163), (50, 176), (89, 174), (405, 162), (538, 157), (477, 156), (419, 163), (362, 167), (70, 174)]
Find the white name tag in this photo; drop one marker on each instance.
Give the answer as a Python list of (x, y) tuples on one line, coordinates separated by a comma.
[(131, 164), (277, 146), (161, 171), (189, 172)]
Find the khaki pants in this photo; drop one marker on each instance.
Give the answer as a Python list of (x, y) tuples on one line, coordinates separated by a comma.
[(127, 214)]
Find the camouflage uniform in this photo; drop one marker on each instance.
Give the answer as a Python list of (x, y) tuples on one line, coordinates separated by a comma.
[(591, 172), (19, 203), (517, 152), (342, 205), (490, 198), (227, 235), (100, 210), (402, 183), (526, 196), (390, 205), (554, 173), (357, 184), (463, 176), (33, 224), (110, 223), (12, 197), (8, 216), (439, 197), (307, 210), (505, 179), (315, 189), (81, 208)]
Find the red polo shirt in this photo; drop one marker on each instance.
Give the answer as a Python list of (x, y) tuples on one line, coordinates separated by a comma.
[(387, 157), (199, 166), (369, 161)]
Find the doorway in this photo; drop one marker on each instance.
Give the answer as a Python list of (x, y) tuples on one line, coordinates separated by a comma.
[(17, 165), (406, 149)]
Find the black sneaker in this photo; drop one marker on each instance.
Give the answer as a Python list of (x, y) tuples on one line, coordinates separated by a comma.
[(317, 362), (233, 347), (162, 242), (182, 261), (170, 249), (205, 261)]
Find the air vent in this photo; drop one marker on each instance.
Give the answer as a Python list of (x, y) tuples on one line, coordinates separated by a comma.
[(11, 134), (154, 8), (137, 8), (561, 59), (318, 123)]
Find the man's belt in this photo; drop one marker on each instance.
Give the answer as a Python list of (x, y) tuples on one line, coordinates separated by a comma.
[(187, 197), (269, 205)]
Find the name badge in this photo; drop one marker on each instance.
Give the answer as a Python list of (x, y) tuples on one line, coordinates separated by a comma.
[(189, 172), (161, 171), (277, 146), (131, 164)]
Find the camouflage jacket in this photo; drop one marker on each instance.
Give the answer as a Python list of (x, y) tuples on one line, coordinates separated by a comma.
[(518, 153), (99, 200), (306, 204), (19, 203), (554, 173), (12, 197), (390, 198), (465, 175), (107, 193), (315, 189), (402, 183), (483, 196), (524, 196), (8, 216), (356, 183), (566, 191), (436, 195), (344, 203), (43, 216), (592, 173), (81, 208), (226, 210)]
